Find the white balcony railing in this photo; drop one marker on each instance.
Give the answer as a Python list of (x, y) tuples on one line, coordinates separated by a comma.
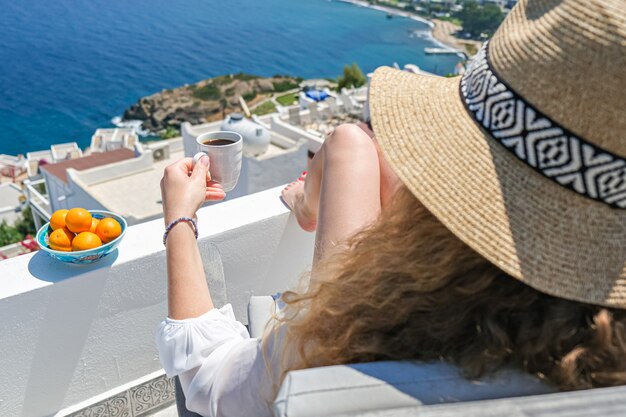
[(70, 333), (40, 205)]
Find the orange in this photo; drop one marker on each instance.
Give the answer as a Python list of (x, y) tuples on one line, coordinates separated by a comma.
[(61, 239), (86, 240), (108, 229), (78, 220), (94, 224), (57, 220)]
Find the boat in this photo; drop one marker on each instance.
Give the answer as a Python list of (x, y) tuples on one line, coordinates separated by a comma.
[(440, 51)]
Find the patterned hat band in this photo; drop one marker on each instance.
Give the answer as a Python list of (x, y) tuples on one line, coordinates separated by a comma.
[(539, 142)]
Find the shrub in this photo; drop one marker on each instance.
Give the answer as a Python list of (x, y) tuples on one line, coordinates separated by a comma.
[(208, 92), (249, 96), (25, 224), (286, 85), (23, 227), (169, 132), (9, 234), (222, 80), (245, 77)]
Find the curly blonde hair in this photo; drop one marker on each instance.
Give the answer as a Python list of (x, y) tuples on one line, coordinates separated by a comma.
[(408, 289)]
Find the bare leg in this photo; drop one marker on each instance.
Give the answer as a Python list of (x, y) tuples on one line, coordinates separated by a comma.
[(293, 196), (341, 192), (389, 181)]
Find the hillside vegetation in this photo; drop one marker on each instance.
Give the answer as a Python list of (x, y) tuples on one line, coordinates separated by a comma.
[(205, 101)]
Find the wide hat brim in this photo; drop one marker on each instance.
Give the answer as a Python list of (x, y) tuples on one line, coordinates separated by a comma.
[(537, 231)]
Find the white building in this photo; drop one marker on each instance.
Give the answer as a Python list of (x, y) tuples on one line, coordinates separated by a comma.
[(12, 167), (314, 120), (65, 151), (36, 159), (104, 140), (63, 182), (56, 153)]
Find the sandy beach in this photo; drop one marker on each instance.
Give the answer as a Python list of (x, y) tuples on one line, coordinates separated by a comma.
[(442, 31)]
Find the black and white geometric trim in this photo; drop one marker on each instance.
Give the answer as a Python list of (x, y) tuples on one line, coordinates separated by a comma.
[(538, 141)]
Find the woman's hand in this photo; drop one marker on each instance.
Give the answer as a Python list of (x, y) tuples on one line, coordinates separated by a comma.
[(184, 188)]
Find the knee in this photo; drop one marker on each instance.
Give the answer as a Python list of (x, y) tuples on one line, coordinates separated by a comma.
[(348, 136), (349, 142)]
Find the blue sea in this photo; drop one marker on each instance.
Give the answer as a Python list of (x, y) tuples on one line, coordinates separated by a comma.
[(68, 67)]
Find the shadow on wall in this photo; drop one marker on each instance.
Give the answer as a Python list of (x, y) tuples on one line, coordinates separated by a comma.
[(91, 333), (55, 360), (44, 268), (281, 269)]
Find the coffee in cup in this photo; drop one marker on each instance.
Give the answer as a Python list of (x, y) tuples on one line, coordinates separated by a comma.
[(218, 142), (225, 151)]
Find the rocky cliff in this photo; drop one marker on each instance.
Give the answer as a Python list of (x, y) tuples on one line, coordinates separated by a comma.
[(205, 101)]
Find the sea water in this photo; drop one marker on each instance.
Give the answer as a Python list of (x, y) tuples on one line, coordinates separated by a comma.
[(68, 67)]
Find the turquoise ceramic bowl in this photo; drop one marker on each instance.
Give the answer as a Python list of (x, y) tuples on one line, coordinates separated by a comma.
[(83, 256)]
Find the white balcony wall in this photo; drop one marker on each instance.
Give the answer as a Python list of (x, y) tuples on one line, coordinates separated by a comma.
[(70, 333)]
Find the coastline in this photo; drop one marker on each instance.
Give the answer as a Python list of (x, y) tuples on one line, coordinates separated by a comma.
[(441, 32), (389, 10)]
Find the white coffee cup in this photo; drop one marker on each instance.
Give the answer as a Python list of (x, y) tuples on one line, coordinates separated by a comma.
[(225, 151)]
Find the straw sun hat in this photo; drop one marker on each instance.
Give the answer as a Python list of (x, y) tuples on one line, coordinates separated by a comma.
[(524, 156)]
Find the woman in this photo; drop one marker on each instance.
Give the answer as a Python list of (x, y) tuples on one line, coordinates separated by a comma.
[(489, 230)]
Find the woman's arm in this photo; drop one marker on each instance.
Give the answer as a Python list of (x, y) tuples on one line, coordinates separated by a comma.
[(184, 188), (187, 291)]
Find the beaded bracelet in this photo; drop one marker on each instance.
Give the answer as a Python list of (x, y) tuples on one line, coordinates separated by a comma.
[(178, 220)]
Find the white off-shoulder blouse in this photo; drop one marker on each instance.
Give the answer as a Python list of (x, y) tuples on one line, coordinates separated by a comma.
[(222, 370)]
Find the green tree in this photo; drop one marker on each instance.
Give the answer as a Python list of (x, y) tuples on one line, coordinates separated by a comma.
[(352, 77), (477, 19), (9, 234), (23, 226), (169, 132)]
